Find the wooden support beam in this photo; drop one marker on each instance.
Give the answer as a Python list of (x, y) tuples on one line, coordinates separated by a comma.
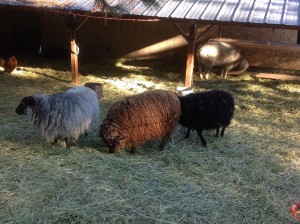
[(197, 40), (275, 76), (74, 46), (81, 24), (220, 31), (190, 56), (181, 31), (261, 44), (74, 61)]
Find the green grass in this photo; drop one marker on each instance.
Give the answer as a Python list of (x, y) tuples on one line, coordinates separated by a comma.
[(251, 175)]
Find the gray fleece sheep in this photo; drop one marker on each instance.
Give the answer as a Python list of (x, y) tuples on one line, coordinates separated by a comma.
[(220, 55), (135, 119), (64, 115)]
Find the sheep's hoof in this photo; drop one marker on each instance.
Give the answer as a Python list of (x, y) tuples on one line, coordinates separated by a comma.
[(133, 150), (54, 143), (111, 152), (68, 146)]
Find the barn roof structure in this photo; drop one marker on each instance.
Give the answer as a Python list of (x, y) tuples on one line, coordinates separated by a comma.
[(283, 14), (256, 12)]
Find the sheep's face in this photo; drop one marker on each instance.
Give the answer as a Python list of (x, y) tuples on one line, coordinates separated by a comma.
[(111, 135), (26, 102), (242, 65)]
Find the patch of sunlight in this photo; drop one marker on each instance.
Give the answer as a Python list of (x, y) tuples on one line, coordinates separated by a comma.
[(26, 74), (135, 85), (120, 64), (290, 88), (210, 50)]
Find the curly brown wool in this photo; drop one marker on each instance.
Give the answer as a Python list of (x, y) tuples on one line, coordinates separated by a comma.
[(135, 119)]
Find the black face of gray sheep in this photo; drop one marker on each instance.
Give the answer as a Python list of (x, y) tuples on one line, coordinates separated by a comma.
[(206, 111), (220, 55), (26, 102)]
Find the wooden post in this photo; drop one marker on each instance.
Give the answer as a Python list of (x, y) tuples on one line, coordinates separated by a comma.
[(220, 31), (74, 61), (190, 56), (74, 46)]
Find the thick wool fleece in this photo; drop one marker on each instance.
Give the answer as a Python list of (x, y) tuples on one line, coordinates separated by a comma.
[(138, 118), (206, 110)]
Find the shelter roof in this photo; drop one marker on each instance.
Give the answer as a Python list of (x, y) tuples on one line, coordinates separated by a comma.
[(256, 12)]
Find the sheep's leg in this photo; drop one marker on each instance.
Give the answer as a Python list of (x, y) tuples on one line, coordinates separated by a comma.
[(206, 72), (200, 70), (188, 133), (222, 131), (225, 73), (206, 76), (112, 149), (68, 146), (55, 141), (163, 142), (217, 131), (201, 137), (133, 150)]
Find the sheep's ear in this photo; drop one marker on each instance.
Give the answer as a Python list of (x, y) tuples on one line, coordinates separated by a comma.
[(29, 100)]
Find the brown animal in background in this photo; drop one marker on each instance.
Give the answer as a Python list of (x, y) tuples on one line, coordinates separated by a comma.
[(139, 118), (219, 55), (2, 62), (10, 64)]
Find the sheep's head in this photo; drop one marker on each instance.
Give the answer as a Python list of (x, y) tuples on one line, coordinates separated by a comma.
[(111, 135), (26, 102), (241, 65)]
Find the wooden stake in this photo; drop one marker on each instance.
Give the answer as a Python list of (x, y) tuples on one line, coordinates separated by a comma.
[(190, 56), (74, 61)]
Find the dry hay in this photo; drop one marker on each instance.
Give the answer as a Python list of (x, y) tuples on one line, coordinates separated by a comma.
[(251, 175)]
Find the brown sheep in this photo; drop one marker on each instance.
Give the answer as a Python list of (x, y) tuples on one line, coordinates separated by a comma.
[(139, 118)]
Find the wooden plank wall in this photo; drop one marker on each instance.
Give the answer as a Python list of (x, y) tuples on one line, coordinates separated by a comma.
[(98, 39), (130, 39), (19, 32)]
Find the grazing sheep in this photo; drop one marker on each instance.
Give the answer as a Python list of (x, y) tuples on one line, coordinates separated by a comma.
[(63, 115), (220, 55), (205, 111), (138, 118)]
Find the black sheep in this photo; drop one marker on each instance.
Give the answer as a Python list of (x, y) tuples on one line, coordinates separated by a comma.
[(206, 111)]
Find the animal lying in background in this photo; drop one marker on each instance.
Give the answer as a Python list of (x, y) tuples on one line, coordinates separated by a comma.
[(64, 115), (220, 55), (9, 65), (138, 118), (206, 111)]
